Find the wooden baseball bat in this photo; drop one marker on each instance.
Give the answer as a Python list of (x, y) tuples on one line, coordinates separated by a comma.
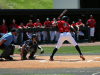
[(63, 13)]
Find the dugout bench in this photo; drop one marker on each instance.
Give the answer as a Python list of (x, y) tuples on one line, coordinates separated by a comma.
[(48, 34)]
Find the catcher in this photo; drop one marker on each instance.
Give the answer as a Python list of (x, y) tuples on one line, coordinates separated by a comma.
[(29, 46)]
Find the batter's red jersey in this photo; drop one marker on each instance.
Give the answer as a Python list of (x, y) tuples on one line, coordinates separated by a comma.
[(47, 24), (77, 23), (35, 24), (28, 25), (73, 26), (63, 26), (14, 26), (91, 22), (3, 28)]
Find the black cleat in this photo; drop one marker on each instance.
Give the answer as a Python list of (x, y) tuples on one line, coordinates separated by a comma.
[(32, 57), (9, 58), (1, 59), (23, 58)]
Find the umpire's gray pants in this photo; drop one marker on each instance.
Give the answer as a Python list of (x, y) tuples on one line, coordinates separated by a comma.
[(7, 50)]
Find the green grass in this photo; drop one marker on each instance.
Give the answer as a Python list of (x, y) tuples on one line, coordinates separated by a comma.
[(26, 4), (84, 49)]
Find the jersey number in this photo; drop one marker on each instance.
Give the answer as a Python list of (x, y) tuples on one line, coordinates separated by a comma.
[(65, 24)]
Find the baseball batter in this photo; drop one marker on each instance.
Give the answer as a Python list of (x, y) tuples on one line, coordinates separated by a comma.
[(65, 35), (91, 24)]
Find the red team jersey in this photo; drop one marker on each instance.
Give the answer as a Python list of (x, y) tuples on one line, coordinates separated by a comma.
[(28, 25), (47, 24), (35, 24), (14, 26), (91, 22), (3, 28), (73, 26), (77, 23), (20, 26), (63, 26)]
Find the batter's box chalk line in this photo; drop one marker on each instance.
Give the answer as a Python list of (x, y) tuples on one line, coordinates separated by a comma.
[(93, 60)]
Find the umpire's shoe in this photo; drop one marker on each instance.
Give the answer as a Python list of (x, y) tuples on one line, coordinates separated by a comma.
[(1, 59), (9, 58), (32, 57), (23, 58)]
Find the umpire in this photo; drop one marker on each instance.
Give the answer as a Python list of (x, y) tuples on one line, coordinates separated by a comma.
[(6, 46)]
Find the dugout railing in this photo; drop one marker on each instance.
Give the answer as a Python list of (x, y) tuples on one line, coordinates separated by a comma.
[(86, 29)]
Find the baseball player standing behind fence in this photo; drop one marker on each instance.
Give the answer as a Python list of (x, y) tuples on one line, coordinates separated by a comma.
[(65, 35), (91, 24), (3, 28)]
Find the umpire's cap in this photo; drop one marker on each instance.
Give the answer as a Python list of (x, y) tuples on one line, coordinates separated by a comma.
[(64, 18)]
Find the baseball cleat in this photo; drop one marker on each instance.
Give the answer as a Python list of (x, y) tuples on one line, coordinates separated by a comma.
[(23, 58), (9, 58), (32, 57), (82, 57), (51, 59)]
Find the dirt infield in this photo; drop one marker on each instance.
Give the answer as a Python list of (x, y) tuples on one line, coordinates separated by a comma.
[(42, 62), (59, 62)]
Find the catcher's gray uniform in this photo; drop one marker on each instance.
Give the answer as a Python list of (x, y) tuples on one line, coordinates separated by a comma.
[(30, 47)]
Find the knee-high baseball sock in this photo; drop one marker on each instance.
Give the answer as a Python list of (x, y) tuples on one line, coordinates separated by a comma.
[(54, 51), (78, 49)]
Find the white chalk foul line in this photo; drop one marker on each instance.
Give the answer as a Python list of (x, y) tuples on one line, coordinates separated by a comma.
[(89, 60)]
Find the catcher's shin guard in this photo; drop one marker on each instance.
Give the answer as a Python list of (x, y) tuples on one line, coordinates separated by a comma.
[(24, 55)]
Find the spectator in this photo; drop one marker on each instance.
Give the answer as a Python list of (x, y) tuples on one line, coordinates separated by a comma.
[(91, 24), (37, 24), (30, 25), (14, 25), (47, 24), (3, 28), (21, 26), (78, 25)]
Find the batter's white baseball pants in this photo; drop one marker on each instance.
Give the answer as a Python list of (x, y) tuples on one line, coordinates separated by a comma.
[(65, 36)]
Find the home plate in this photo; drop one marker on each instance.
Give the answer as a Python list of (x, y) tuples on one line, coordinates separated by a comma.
[(43, 61)]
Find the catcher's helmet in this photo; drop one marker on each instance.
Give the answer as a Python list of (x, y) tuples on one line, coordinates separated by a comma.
[(64, 18), (34, 35)]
